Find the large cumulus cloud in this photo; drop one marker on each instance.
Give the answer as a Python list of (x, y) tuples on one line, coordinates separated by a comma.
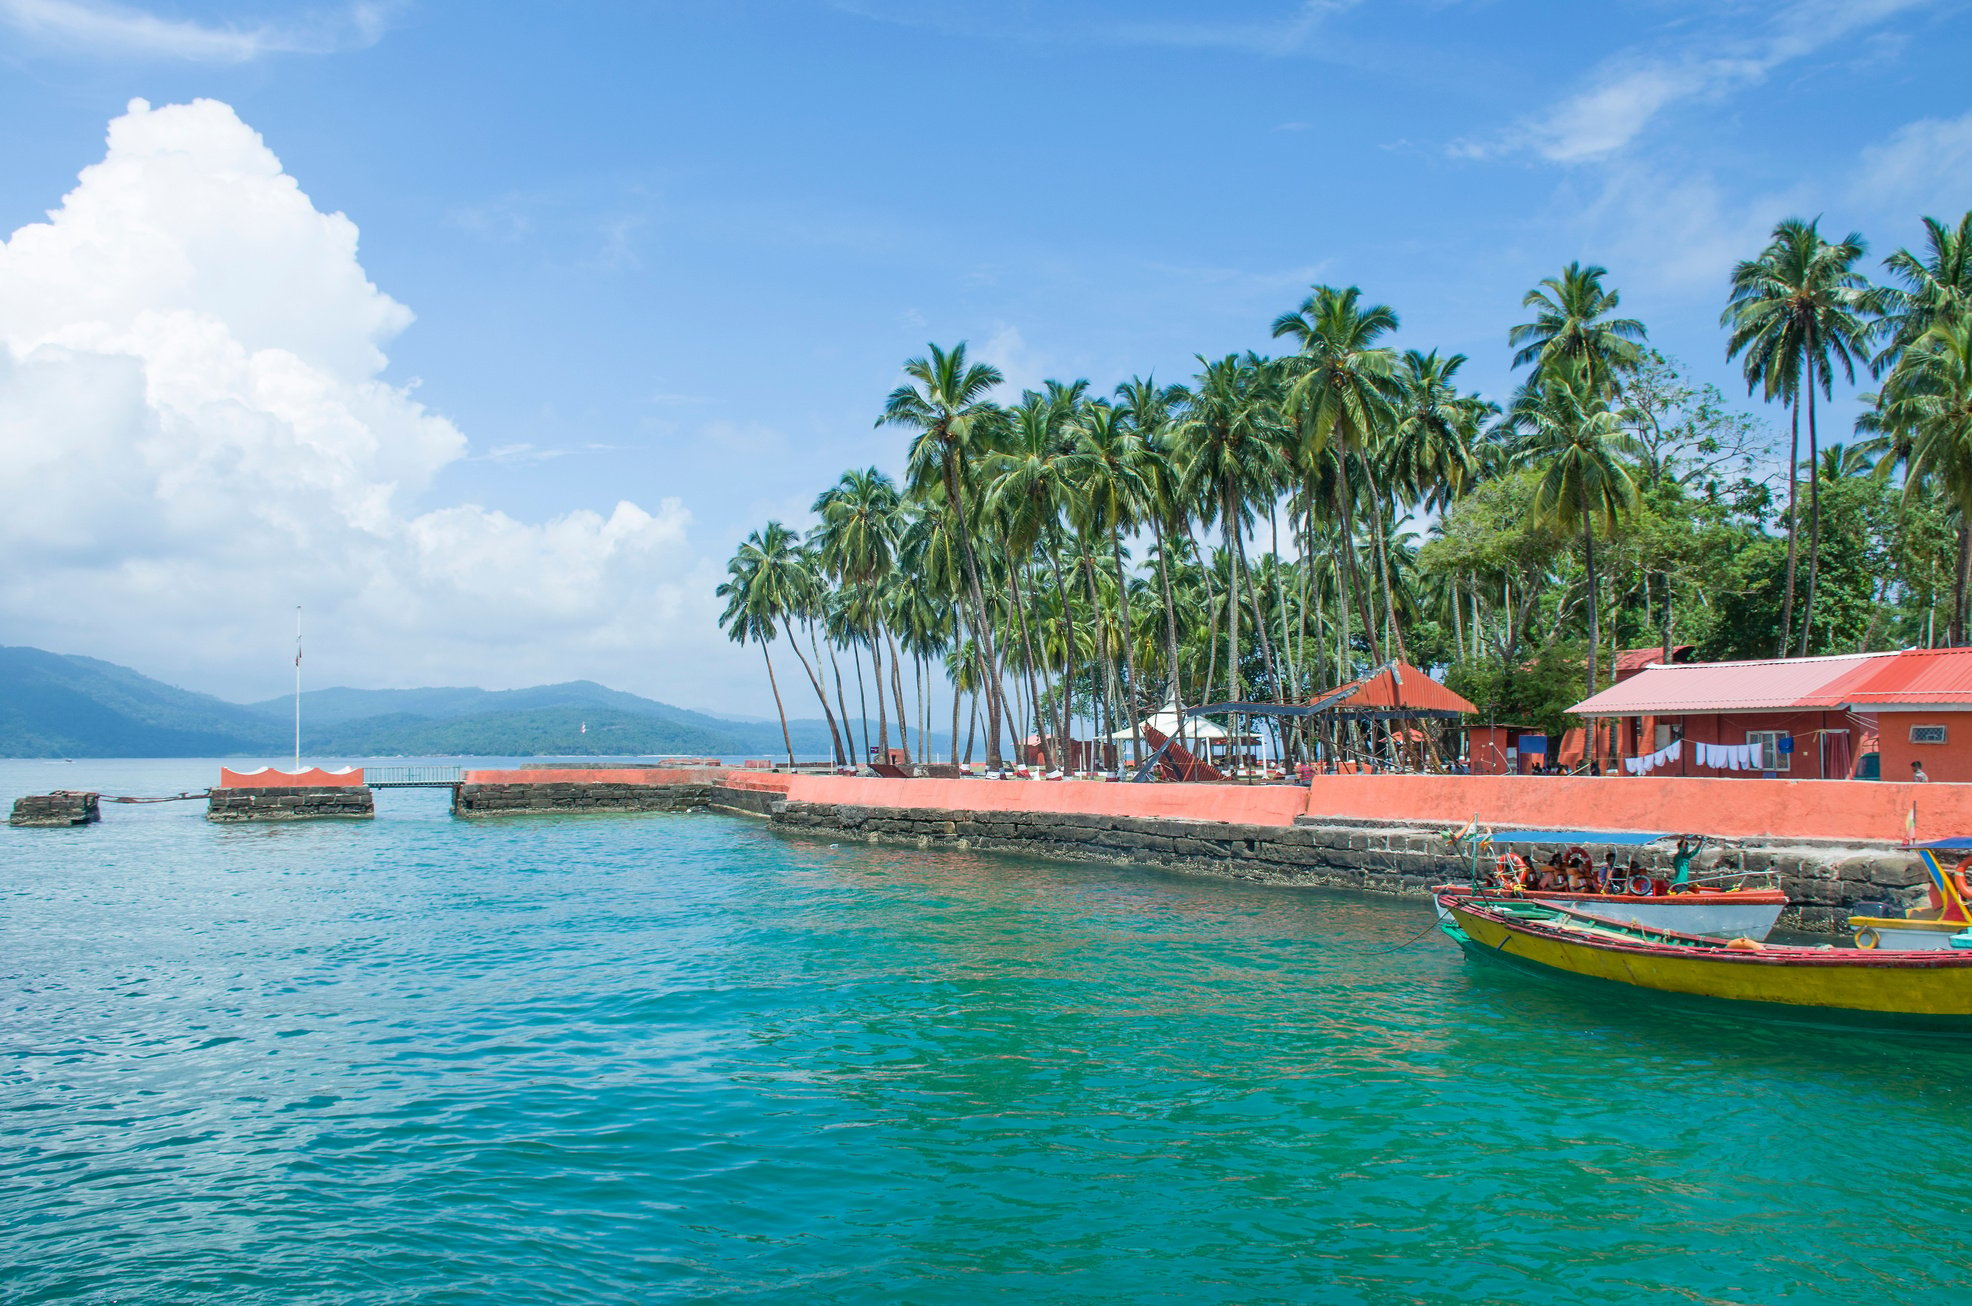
[(195, 435)]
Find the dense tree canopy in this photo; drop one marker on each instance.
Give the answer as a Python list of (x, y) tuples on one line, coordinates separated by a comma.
[(1066, 564)]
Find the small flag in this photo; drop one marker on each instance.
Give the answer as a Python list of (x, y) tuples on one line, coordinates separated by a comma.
[(1910, 824)]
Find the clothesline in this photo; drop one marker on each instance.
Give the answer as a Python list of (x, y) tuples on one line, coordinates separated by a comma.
[(1720, 757)]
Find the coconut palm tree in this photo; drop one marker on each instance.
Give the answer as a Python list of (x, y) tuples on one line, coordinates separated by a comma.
[(1229, 444), (1576, 441), (1152, 412), (1572, 321), (948, 403), (1430, 459), (763, 585), (1935, 406), (1936, 288), (1342, 390), (1797, 313), (857, 541), (1106, 466)]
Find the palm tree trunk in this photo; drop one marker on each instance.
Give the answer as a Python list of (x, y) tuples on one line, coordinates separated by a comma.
[(815, 680), (776, 687), (1595, 608), (983, 619), (1129, 641), (842, 700), (1958, 585), (897, 691), (952, 745), (1787, 594), (1027, 648), (1392, 630), (1814, 515), (1064, 738), (1345, 511), (1170, 612), (862, 701), (882, 709), (1229, 521)]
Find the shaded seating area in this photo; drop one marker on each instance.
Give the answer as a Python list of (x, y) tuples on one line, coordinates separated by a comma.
[(1393, 719)]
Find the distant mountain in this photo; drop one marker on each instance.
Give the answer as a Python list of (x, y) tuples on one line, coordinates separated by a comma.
[(58, 705), (55, 705)]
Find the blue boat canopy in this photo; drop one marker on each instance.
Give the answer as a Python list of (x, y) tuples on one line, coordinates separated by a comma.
[(1963, 843), (1625, 837)]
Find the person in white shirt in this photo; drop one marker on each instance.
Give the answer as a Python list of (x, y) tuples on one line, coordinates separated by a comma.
[(1917, 775)]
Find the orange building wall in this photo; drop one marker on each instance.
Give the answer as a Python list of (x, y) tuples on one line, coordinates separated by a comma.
[(1949, 761)]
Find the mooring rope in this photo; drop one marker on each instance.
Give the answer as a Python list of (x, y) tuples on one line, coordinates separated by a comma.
[(1406, 943)]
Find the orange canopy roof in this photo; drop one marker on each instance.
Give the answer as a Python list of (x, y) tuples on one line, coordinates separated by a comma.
[(1395, 689)]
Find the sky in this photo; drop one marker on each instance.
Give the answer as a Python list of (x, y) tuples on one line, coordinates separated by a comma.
[(485, 332)]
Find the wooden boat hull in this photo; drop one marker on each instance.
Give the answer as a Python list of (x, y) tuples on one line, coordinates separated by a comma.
[(1892, 935), (1918, 987), (1746, 914)]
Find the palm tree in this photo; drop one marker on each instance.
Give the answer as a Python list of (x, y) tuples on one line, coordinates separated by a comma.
[(947, 402), (1571, 321), (1229, 446), (1430, 459), (1797, 312), (1575, 440), (1106, 468), (1936, 289), (1023, 493), (1152, 412), (764, 584), (1935, 405), (1343, 391), (857, 540)]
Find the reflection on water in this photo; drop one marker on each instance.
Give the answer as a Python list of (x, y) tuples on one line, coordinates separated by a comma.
[(681, 1057)]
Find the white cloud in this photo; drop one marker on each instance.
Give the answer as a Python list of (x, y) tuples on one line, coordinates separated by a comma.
[(111, 29), (1024, 367), (1925, 165), (195, 435), (1630, 90)]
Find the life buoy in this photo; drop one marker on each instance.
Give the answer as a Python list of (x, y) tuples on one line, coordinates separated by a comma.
[(1868, 938), (1578, 856), (1640, 885)]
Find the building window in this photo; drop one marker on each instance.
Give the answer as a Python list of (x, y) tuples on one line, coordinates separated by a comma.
[(1769, 758), (1927, 734)]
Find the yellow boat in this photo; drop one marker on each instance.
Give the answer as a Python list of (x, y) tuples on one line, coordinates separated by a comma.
[(1931, 926), (1879, 987)]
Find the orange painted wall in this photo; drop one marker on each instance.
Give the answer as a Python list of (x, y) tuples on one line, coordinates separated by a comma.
[(601, 775), (1950, 761), (1738, 808), (1236, 804), (313, 777)]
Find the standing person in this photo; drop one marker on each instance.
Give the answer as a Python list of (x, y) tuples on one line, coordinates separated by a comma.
[(1917, 775)]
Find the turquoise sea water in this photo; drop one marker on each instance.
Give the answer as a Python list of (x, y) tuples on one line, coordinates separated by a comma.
[(616, 1059)]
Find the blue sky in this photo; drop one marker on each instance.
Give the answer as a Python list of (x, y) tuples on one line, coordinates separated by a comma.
[(676, 251)]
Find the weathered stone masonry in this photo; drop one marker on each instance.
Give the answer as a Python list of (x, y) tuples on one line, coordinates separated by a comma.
[(535, 797), (1824, 880), (56, 810), (291, 803)]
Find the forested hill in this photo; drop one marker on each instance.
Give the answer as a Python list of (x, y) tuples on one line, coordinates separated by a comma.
[(59, 705)]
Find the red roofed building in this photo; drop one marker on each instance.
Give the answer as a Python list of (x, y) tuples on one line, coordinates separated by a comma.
[(1794, 711), (1920, 699)]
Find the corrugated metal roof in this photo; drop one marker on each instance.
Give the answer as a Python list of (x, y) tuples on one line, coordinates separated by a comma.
[(1921, 675), (1766, 685), (1636, 659)]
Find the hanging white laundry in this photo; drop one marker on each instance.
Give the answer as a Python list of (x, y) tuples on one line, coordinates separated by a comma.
[(1634, 765), (1675, 751), (1754, 756), (1701, 753)]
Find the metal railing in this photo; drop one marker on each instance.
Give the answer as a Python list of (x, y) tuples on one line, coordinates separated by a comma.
[(410, 777)]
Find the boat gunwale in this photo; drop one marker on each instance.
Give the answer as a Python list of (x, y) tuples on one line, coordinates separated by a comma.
[(1693, 946)]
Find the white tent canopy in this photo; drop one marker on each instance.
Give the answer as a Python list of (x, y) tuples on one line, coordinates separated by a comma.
[(1165, 722)]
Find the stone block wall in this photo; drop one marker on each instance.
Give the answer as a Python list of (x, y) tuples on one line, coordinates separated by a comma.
[(578, 796), (1823, 880), (291, 803), (55, 811)]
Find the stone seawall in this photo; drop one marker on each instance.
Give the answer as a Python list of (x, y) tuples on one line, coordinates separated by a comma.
[(1824, 881), (55, 811), (579, 796), (291, 803)]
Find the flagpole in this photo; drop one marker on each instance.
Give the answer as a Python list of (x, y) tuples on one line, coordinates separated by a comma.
[(297, 687)]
